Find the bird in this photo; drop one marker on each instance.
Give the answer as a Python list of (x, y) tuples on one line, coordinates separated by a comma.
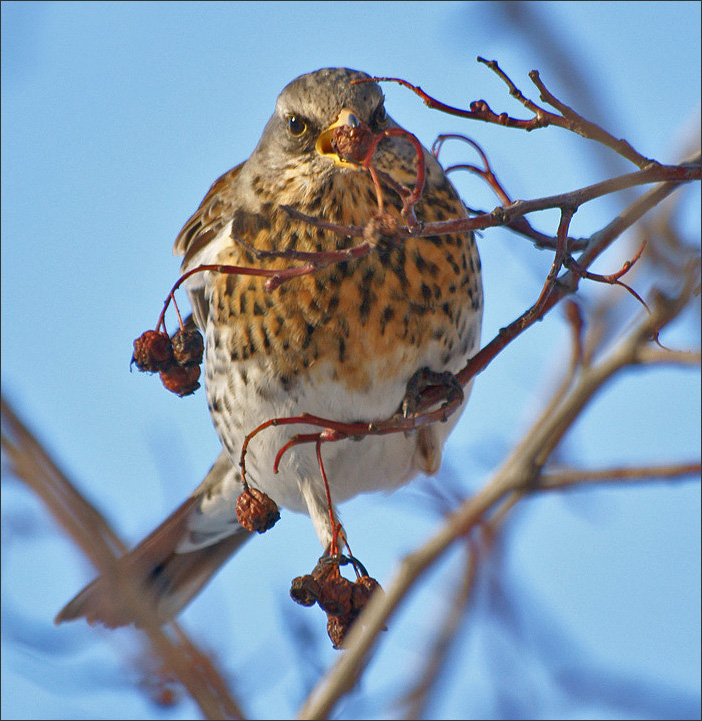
[(342, 343)]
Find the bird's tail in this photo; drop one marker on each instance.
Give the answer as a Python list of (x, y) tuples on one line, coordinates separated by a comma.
[(152, 583)]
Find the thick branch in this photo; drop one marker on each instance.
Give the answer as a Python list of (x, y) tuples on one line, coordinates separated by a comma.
[(31, 463), (519, 474)]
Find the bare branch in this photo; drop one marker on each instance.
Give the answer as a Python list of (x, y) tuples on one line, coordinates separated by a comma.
[(568, 118), (519, 474), (565, 477), (31, 463)]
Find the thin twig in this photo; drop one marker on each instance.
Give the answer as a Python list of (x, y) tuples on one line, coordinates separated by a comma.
[(568, 118), (566, 477)]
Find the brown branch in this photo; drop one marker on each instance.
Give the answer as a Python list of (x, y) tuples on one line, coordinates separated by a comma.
[(554, 289), (32, 464), (569, 282), (577, 124), (338, 431), (611, 278), (566, 477), (519, 224), (568, 118), (567, 214), (672, 175), (479, 109), (677, 174), (519, 474), (669, 357)]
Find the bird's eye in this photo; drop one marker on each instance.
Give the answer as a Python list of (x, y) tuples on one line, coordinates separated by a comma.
[(380, 117), (296, 126)]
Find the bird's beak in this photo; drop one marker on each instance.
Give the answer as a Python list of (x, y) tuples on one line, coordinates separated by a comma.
[(324, 143)]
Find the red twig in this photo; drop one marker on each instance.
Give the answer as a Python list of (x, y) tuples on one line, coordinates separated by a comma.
[(337, 430), (486, 172), (333, 548), (479, 109), (612, 278), (235, 269), (421, 170), (568, 203), (506, 215), (519, 224), (499, 216), (567, 284), (567, 214), (434, 394)]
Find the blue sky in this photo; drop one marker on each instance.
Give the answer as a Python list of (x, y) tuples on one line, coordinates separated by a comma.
[(116, 117)]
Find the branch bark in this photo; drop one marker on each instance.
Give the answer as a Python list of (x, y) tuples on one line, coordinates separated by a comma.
[(520, 474), (31, 462)]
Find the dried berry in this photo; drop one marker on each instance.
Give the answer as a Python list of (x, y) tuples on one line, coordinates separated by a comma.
[(361, 591), (256, 511), (188, 347), (153, 351), (335, 596), (305, 590), (381, 229), (181, 381), (352, 143), (359, 596), (338, 627), (370, 583)]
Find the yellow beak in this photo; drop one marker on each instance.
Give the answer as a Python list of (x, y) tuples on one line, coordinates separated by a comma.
[(324, 144)]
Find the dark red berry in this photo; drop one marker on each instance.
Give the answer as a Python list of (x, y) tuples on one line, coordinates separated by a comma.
[(335, 596), (305, 590), (188, 347), (362, 590), (153, 351), (338, 627), (256, 511), (181, 381), (352, 143)]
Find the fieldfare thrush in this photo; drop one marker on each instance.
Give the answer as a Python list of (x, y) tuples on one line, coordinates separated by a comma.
[(342, 343)]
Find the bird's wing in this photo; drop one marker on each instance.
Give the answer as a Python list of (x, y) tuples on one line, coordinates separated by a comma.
[(196, 242)]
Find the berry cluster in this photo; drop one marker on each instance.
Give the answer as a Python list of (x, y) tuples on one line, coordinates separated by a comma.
[(177, 360), (342, 600)]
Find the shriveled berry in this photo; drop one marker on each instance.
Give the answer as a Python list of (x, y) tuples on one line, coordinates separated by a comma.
[(335, 596), (359, 596), (256, 511), (352, 143), (181, 381), (381, 229), (338, 627), (362, 590), (305, 590), (188, 347), (153, 351)]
